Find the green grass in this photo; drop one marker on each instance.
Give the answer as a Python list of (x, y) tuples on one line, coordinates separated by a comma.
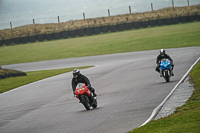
[(186, 119), (173, 36), (14, 82)]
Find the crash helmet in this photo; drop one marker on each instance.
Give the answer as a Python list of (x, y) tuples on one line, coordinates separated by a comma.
[(162, 52), (76, 72)]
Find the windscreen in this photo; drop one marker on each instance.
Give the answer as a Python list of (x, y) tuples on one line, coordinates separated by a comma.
[(164, 60), (80, 85)]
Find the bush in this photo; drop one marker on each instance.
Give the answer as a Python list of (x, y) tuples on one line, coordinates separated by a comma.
[(7, 73)]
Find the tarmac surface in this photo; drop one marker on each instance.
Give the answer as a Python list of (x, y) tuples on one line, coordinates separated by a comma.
[(178, 98), (127, 86)]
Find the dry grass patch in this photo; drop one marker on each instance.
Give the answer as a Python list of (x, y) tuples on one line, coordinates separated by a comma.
[(30, 30)]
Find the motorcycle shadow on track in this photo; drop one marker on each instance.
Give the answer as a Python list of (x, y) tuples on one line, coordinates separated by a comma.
[(167, 82), (92, 109)]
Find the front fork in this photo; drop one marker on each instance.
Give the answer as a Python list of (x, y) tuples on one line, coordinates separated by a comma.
[(162, 71), (91, 98)]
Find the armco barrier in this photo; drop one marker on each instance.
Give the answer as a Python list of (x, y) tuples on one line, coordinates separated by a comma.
[(113, 28), (16, 40), (57, 35), (129, 26), (105, 28), (198, 17), (96, 30), (192, 18), (144, 24), (184, 19), (73, 33), (41, 37), (24, 39), (137, 25), (121, 27), (1, 42), (176, 20), (64, 34), (161, 22), (89, 31), (81, 32), (49, 36), (153, 23), (168, 21), (7, 41), (32, 39)]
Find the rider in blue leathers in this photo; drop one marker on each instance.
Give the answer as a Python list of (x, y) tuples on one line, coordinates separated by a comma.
[(161, 56)]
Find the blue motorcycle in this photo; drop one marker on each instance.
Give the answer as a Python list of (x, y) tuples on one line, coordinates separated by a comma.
[(166, 69)]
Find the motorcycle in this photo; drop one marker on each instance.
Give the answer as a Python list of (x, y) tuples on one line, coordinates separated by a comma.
[(85, 96), (166, 69)]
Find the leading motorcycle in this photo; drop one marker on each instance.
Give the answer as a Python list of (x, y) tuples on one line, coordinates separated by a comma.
[(166, 69), (85, 96)]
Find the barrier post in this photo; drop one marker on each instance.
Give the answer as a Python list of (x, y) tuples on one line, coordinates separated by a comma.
[(108, 12), (130, 9), (151, 6), (58, 19), (11, 26), (84, 16), (33, 23)]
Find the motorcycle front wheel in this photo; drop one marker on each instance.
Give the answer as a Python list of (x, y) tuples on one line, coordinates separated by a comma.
[(167, 78), (85, 103)]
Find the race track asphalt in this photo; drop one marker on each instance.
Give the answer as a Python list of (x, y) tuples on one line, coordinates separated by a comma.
[(127, 86)]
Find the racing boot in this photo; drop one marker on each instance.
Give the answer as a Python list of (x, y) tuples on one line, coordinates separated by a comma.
[(172, 73), (160, 73), (172, 70), (95, 95)]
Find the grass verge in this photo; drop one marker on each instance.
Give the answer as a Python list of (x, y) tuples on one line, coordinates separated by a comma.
[(173, 36), (14, 82), (186, 119)]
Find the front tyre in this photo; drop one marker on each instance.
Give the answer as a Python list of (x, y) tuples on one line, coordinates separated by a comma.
[(85, 103), (167, 78)]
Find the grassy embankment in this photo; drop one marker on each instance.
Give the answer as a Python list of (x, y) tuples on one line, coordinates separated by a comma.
[(31, 30), (14, 82), (186, 119)]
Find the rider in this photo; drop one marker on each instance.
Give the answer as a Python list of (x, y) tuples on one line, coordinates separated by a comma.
[(79, 78), (161, 56)]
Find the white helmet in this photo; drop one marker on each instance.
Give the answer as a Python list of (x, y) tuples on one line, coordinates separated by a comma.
[(76, 72), (162, 52)]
